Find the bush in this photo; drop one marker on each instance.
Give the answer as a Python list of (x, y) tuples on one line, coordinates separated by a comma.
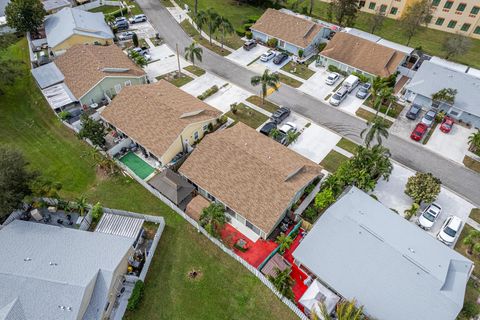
[(234, 108), (300, 53), (470, 310), (136, 297), (247, 26), (310, 214), (249, 34), (324, 199), (272, 42), (208, 93), (252, 19), (409, 213), (97, 212), (321, 46), (240, 32), (64, 115)]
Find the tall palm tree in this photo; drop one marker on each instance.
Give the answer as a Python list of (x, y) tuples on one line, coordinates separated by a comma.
[(472, 240), (283, 282), (200, 18), (291, 137), (81, 204), (376, 129), (193, 52), (345, 310), (212, 22), (474, 141), (225, 27), (284, 242), (266, 80), (213, 218)]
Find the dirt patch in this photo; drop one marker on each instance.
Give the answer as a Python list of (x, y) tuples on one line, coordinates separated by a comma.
[(195, 274)]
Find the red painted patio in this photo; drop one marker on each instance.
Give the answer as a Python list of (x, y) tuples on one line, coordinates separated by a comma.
[(298, 275), (256, 252)]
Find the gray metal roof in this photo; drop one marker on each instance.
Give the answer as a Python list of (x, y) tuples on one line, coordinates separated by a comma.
[(58, 95), (120, 225), (171, 185), (363, 250), (3, 4), (69, 21), (50, 269), (432, 77), (47, 75), (50, 5)]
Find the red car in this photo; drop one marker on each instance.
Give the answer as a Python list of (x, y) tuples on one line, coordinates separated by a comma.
[(447, 124), (419, 132)]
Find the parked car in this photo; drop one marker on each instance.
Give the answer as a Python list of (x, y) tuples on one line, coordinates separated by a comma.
[(284, 130), (364, 90), (450, 229), (119, 19), (249, 44), (138, 18), (127, 35), (280, 115), (413, 112), (447, 124), (339, 96), (280, 58), (144, 52), (332, 78), (121, 25), (268, 127), (267, 56), (351, 82), (429, 216), (419, 131), (429, 118)]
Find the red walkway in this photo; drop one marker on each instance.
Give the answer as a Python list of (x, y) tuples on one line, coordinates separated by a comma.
[(298, 275), (256, 252)]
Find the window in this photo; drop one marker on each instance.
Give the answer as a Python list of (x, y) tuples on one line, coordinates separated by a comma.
[(448, 4), (118, 88), (372, 5), (465, 27), (205, 128), (195, 135), (393, 10), (383, 8), (435, 3), (128, 83), (439, 21), (475, 10), (477, 30), (361, 4), (452, 24), (281, 44), (252, 227), (461, 6)]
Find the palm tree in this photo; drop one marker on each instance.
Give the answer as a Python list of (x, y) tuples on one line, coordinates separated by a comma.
[(213, 218), (283, 282), (446, 95), (284, 242), (200, 18), (378, 128), (212, 21), (345, 310), (225, 27), (474, 141), (291, 137), (266, 80), (193, 52), (472, 240), (81, 204), (44, 187)]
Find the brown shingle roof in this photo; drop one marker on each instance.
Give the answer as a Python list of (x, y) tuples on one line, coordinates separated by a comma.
[(363, 54), (84, 66), (195, 207), (249, 172), (287, 27), (151, 114)]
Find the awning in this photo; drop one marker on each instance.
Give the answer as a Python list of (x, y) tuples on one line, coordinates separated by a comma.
[(317, 294), (58, 95), (120, 225)]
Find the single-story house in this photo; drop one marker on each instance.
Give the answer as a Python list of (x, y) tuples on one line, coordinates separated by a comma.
[(350, 53), (71, 26), (161, 118), (51, 272), (433, 77), (254, 177), (293, 33), (362, 250), (94, 73)]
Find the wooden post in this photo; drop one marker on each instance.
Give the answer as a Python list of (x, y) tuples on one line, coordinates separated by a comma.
[(178, 60)]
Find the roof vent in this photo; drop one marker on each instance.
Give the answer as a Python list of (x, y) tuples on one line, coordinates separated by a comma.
[(411, 250), (53, 264), (27, 259), (191, 114)]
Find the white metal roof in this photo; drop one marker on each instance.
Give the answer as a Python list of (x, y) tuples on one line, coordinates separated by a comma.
[(47, 75), (120, 225), (449, 64), (58, 95)]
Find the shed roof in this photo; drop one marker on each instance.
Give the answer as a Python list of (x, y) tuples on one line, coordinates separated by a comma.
[(47, 75), (363, 250), (277, 262), (50, 5), (171, 185), (58, 95), (120, 225)]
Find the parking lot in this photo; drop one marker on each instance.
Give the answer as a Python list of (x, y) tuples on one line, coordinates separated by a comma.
[(260, 66), (391, 193)]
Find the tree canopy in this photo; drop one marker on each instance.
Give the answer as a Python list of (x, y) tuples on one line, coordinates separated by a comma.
[(25, 15), (92, 130), (423, 187)]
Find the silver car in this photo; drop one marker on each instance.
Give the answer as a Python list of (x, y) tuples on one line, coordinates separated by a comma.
[(339, 96), (429, 118)]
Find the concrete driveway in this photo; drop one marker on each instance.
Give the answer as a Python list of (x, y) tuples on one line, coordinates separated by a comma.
[(244, 57), (316, 86), (201, 84), (452, 145), (403, 127), (143, 30), (164, 61), (260, 66), (391, 193), (351, 103), (225, 97)]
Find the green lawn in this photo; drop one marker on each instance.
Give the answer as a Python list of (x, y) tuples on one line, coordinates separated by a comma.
[(105, 9), (225, 290), (333, 160), (369, 116), (462, 249), (247, 115), (347, 145), (177, 81), (471, 296), (192, 32), (394, 111), (195, 70), (300, 70), (267, 105), (289, 80)]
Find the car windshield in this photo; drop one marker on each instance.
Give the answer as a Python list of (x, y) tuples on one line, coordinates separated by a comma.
[(363, 89), (336, 96), (430, 217), (331, 77), (450, 231), (447, 125), (429, 116)]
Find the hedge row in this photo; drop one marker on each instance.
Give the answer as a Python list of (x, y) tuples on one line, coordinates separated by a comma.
[(136, 297)]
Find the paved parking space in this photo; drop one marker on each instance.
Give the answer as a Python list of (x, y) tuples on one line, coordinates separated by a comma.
[(164, 61), (225, 97), (244, 57), (351, 103), (316, 86), (452, 145), (391, 193), (259, 66), (403, 127), (143, 30)]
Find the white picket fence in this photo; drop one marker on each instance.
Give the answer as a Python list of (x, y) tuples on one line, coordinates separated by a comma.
[(232, 254)]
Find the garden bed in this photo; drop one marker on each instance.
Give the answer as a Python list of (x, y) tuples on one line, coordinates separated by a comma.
[(471, 164), (267, 105), (289, 81), (247, 115)]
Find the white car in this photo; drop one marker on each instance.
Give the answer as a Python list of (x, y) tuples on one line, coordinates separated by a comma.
[(144, 52), (138, 18), (267, 56), (332, 78), (450, 230), (287, 127), (339, 96), (127, 35), (429, 216)]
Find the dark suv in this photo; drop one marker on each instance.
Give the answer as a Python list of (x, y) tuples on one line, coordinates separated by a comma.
[(280, 58), (280, 115), (249, 44), (414, 111)]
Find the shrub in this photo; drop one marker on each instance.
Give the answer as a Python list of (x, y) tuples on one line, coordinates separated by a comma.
[(423, 187), (249, 34), (300, 53), (272, 42), (310, 188), (63, 115), (439, 117), (332, 68), (324, 199), (310, 214), (470, 309), (321, 46), (240, 32), (253, 19), (97, 212), (208, 93), (136, 297), (234, 108), (247, 26), (118, 13), (409, 213)]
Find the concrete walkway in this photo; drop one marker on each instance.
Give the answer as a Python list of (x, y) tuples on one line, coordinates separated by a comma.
[(474, 224)]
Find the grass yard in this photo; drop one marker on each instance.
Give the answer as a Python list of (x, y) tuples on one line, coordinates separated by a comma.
[(394, 111), (475, 214), (105, 9), (347, 145), (247, 115), (289, 81), (471, 296), (195, 70), (177, 81), (471, 164), (300, 70), (462, 249), (225, 289), (267, 105), (192, 32), (332, 161), (369, 116)]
